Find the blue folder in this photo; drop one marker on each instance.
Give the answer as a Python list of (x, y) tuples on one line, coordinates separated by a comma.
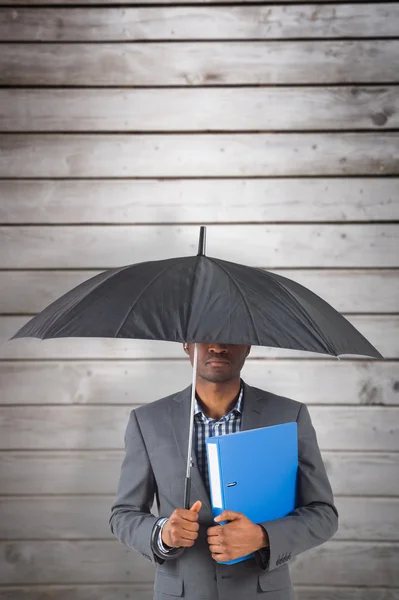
[(254, 472)]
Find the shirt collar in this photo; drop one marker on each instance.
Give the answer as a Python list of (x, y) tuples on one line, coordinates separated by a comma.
[(237, 407)]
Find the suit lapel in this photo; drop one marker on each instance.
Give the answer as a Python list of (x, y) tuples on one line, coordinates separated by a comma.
[(251, 410)]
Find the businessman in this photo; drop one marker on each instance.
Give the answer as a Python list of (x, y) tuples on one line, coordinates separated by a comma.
[(187, 546)]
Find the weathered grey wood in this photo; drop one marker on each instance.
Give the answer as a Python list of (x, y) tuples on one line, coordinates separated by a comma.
[(380, 330), (86, 517), (133, 591), (268, 246), (91, 3), (72, 562), (200, 109), (97, 472), (198, 200), (83, 427), (207, 63), (107, 382), (130, 591), (354, 290), (205, 23), (329, 593), (191, 155), (350, 563)]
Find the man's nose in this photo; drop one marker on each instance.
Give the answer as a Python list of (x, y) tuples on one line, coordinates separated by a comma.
[(219, 348)]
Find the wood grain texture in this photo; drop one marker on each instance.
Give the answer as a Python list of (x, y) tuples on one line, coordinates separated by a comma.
[(92, 3), (353, 563), (350, 563), (97, 472), (132, 591), (106, 382), (194, 23), (268, 246), (200, 109), (348, 290), (380, 330), (210, 155), (86, 517), (199, 200), (331, 593), (205, 63), (191, 109), (82, 427)]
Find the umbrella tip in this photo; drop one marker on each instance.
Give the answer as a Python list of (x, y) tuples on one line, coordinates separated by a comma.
[(202, 242)]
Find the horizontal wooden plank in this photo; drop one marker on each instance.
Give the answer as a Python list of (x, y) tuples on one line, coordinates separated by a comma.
[(83, 427), (353, 290), (95, 382), (199, 200), (193, 23), (86, 517), (197, 155), (72, 562), (315, 593), (200, 109), (205, 63), (97, 472), (351, 563), (132, 591), (268, 246), (381, 331), (92, 3)]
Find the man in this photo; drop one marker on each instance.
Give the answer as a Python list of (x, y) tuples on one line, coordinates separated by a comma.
[(186, 546)]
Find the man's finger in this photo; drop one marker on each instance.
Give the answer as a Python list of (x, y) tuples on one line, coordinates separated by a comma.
[(188, 515), (215, 549), (228, 515), (213, 531), (188, 535), (220, 557)]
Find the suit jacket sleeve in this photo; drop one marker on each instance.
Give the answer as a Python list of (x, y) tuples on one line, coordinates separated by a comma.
[(131, 520), (315, 520)]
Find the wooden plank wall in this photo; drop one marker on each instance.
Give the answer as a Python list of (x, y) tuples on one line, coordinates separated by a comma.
[(123, 128)]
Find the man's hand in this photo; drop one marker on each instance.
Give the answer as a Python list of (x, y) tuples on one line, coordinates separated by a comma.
[(181, 529), (235, 539)]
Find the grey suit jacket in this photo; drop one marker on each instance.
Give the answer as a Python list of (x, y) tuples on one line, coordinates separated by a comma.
[(156, 442)]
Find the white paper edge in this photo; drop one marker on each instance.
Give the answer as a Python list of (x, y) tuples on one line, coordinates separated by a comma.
[(216, 488)]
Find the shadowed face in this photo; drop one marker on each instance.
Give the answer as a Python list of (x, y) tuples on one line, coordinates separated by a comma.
[(218, 363)]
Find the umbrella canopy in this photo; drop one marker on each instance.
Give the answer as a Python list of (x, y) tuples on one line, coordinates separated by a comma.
[(199, 299)]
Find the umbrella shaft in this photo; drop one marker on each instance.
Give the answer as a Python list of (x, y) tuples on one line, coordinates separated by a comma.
[(190, 435)]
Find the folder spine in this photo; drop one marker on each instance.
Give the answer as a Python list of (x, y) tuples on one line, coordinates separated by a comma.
[(216, 478)]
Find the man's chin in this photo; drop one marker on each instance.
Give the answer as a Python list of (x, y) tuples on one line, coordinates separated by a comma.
[(217, 377)]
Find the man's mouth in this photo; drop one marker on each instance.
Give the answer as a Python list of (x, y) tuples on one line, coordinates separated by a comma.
[(217, 361)]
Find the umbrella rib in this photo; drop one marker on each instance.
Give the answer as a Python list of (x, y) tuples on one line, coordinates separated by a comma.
[(191, 298), (110, 273), (142, 292), (242, 296), (329, 348)]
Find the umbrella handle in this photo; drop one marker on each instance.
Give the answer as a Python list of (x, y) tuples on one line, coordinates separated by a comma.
[(187, 487)]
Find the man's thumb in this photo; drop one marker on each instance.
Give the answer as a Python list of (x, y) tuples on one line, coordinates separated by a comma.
[(196, 507)]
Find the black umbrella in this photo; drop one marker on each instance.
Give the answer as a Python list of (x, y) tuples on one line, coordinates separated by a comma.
[(199, 299)]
